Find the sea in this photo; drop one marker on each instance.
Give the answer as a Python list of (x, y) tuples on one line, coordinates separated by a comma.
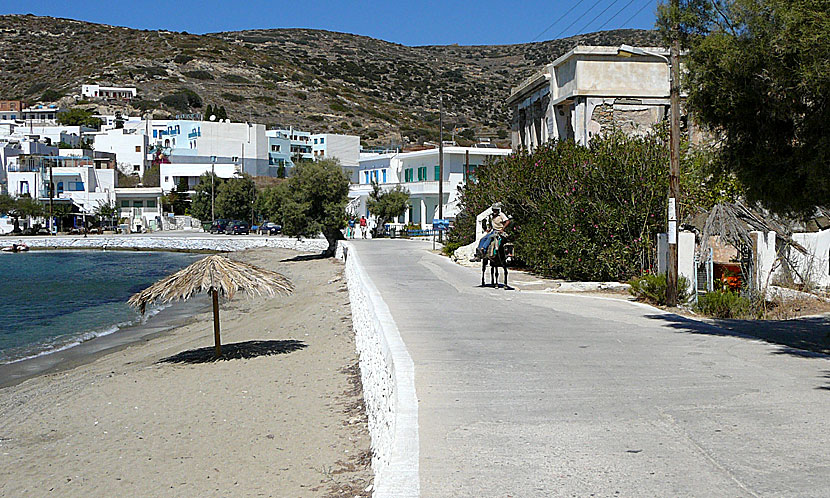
[(51, 301)]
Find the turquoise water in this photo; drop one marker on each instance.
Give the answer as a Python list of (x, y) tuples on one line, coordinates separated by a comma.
[(52, 300)]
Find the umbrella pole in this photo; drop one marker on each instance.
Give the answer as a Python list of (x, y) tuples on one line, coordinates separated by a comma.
[(216, 322)]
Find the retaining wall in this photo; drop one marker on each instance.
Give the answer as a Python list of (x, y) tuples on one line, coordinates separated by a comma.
[(388, 376), (172, 243)]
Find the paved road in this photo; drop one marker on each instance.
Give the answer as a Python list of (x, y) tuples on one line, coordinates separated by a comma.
[(532, 394)]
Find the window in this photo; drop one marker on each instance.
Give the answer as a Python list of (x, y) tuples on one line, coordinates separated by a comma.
[(76, 186), (125, 204), (24, 187), (151, 203), (407, 175), (166, 178), (234, 159), (155, 133), (138, 204), (135, 167), (437, 173), (322, 141), (138, 148), (60, 187), (384, 176), (366, 177), (315, 141), (422, 173)]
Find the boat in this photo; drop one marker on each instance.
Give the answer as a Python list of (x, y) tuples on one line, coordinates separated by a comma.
[(16, 248)]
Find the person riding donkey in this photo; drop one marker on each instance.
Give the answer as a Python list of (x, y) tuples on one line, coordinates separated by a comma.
[(498, 222)]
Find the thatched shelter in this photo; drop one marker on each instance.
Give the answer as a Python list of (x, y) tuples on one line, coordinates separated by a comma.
[(215, 275)]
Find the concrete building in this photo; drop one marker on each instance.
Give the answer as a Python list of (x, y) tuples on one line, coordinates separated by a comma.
[(11, 109), (300, 141), (109, 92), (130, 146), (140, 206), (279, 151), (172, 173), (590, 90), (344, 148), (51, 134), (41, 114), (75, 179), (418, 173)]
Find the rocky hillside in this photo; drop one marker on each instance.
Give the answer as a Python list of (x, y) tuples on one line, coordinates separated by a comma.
[(313, 79)]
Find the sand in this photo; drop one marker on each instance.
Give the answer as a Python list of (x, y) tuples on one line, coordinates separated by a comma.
[(128, 424)]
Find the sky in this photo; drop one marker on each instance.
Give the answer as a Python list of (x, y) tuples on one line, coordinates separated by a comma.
[(433, 22)]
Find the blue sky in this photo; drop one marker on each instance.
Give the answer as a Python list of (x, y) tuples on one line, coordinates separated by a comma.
[(410, 23)]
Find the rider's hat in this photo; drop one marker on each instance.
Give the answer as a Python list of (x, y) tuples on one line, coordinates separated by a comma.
[(497, 205)]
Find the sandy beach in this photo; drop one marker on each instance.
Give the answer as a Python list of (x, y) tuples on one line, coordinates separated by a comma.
[(283, 418)]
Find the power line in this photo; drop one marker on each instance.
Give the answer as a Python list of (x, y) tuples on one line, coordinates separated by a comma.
[(598, 16), (557, 21), (615, 15), (648, 2), (571, 24)]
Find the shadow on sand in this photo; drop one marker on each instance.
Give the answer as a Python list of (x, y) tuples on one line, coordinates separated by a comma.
[(307, 257), (236, 351), (805, 337)]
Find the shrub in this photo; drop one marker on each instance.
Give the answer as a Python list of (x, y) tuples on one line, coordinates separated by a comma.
[(233, 97), (198, 75), (579, 213), (338, 107), (51, 96), (300, 95), (724, 304), (182, 59), (235, 78), (652, 288), (183, 100)]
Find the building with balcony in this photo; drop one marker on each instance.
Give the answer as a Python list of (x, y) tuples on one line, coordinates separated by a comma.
[(140, 206), (130, 146), (41, 114), (590, 90), (418, 172), (74, 178), (109, 92)]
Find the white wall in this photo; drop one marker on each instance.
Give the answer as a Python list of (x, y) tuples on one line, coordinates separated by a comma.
[(815, 267), (130, 149), (170, 172)]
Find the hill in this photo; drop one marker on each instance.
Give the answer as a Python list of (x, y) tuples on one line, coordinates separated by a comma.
[(312, 79)]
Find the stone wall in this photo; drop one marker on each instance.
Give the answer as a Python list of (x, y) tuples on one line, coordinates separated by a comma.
[(170, 243), (388, 376)]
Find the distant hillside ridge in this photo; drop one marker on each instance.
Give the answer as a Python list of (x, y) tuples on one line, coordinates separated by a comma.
[(310, 79)]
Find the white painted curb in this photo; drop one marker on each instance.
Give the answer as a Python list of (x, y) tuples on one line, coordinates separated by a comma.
[(388, 376)]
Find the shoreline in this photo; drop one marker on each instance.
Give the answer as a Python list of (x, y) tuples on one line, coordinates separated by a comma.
[(65, 358), (146, 418)]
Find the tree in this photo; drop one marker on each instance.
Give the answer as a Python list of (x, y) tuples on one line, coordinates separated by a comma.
[(25, 207), (209, 112), (758, 77), (387, 205), (270, 202), (235, 198), (119, 120), (78, 117), (200, 205), (106, 211), (221, 113), (281, 170), (152, 175), (60, 211), (316, 200)]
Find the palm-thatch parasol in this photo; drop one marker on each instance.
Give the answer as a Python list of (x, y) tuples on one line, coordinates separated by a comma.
[(214, 275)]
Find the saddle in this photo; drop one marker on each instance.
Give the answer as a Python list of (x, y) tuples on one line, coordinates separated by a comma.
[(495, 245)]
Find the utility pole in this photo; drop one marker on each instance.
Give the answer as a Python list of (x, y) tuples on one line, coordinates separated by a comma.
[(212, 188), (674, 162), (51, 195), (440, 163)]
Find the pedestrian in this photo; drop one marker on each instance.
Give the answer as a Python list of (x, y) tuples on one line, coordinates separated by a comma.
[(350, 229), (363, 226)]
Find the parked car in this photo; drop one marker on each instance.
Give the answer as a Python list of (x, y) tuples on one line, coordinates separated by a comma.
[(269, 228), (219, 226), (238, 228)]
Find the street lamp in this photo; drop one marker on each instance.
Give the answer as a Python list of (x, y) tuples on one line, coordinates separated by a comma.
[(674, 160)]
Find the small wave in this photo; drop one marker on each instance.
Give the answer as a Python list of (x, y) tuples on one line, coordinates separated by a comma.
[(78, 339)]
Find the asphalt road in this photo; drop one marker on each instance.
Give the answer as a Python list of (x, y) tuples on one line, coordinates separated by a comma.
[(533, 394)]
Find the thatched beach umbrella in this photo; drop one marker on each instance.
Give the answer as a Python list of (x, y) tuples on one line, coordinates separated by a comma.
[(214, 275)]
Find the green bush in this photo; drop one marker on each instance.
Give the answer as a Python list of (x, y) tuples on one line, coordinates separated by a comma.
[(182, 59), (652, 288), (724, 304), (235, 78), (579, 213), (183, 100), (338, 107), (233, 97)]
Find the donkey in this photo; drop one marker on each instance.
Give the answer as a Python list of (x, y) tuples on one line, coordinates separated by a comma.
[(496, 256)]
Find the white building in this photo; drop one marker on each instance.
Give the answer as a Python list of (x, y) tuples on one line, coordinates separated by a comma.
[(300, 141), (75, 179), (50, 134), (418, 173), (172, 173), (47, 114), (344, 148), (140, 206), (129, 145), (109, 92), (588, 90)]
